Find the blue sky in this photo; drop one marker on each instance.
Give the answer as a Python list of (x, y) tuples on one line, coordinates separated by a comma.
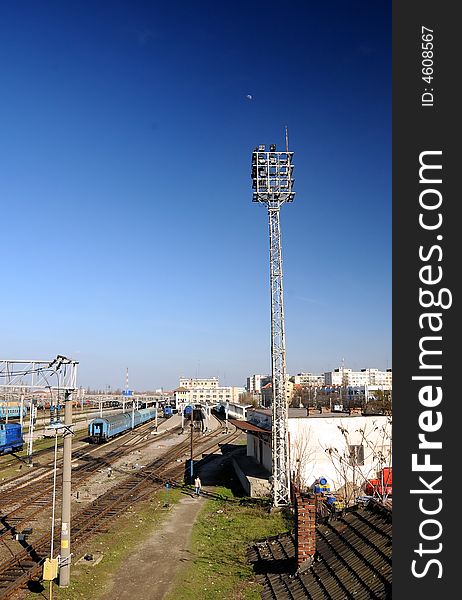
[(128, 231)]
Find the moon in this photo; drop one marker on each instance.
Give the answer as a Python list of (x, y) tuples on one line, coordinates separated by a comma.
[(249, 96)]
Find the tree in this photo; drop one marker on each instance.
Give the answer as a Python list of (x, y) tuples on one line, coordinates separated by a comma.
[(356, 463), (302, 455), (248, 398)]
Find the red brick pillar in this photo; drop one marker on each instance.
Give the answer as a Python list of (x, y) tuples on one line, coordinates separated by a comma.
[(305, 528)]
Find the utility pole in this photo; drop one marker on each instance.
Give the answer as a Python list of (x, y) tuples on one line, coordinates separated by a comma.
[(21, 408), (38, 374), (191, 461), (31, 432), (65, 552), (272, 183)]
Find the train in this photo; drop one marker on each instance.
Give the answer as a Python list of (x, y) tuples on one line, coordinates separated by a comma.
[(11, 439), (12, 409), (196, 412), (103, 429), (168, 411), (235, 410)]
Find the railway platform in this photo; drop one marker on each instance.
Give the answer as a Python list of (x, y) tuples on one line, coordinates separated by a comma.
[(253, 477)]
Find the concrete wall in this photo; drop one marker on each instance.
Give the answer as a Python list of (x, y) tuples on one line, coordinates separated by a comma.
[(260, 450), (323, 447)]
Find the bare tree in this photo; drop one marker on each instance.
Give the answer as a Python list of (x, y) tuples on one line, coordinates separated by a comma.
[(302, 455), (355, 464), (248, 398)]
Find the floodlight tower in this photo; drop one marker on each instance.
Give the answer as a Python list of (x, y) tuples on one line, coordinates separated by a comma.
[(272, 183)]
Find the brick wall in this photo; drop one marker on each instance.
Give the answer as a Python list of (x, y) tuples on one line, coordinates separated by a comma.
[(305, 532)]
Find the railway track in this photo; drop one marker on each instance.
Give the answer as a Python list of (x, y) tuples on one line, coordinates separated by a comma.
[(95, 518), (131, 437), (79, 437), (36, 496)]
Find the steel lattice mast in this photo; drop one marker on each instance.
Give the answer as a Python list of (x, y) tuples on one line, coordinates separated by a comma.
[(273, 183)]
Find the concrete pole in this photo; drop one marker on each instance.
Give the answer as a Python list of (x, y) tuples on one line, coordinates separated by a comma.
[(21, 408), (31, 431), (157, 410), (191, 465), (65, 553)]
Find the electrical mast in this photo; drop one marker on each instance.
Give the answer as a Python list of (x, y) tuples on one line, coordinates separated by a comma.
[(272, 183)]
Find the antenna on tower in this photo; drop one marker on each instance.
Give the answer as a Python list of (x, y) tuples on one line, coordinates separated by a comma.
[(287, 139), (126, 380)]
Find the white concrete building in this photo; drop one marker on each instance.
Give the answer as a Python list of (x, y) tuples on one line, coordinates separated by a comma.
[(256, 382), (309, 379), (205, 391), (366, 377), (344, 449), (191, 383)]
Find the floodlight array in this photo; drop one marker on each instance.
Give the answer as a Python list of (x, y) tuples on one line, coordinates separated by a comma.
[(272, 175)]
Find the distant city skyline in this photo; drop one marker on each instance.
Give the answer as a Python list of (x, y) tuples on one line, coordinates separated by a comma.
[(129, 232)]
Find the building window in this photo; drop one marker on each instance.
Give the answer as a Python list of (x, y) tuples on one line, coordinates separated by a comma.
[(356, 455)]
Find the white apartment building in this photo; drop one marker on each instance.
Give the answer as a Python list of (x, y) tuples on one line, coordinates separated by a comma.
[(308, 379), (256, 382), (366, 377)]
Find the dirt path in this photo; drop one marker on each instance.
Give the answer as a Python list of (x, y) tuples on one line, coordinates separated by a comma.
[(148, 573)]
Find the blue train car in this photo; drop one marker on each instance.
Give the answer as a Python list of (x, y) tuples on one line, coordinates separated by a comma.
[(188, 411), (11, 439), (102, 429), (12, 409), (168, 411)]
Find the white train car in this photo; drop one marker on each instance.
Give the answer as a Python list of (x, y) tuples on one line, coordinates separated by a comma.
[(235, 410)]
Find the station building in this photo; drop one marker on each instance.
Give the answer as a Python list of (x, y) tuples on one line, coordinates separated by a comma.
[(205, 391), (345, 449)]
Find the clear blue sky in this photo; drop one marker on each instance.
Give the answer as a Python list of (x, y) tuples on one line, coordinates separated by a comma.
[(128, 232)]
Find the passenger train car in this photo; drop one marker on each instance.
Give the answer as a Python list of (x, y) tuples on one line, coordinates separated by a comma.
[(235, 411), (12, 409), (11, 439), (105, 428)]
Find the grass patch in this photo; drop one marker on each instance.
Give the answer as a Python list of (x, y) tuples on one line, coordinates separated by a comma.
[(126, 533), (220, 539)]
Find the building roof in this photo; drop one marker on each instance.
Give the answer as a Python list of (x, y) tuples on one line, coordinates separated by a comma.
[(353, 559), (246, 426), (301, 413)]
